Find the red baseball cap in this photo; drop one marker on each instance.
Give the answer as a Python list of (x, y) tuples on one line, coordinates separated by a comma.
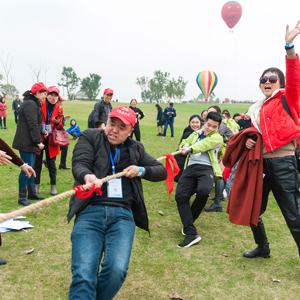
[(124, 113), (242, 115), (61, 98), (108, 91), (37, 87), (53, 89)]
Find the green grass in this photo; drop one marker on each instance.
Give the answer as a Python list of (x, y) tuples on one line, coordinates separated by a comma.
[(157, 265)]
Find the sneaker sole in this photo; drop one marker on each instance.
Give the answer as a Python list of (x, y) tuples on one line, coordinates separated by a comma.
[(195, 241)]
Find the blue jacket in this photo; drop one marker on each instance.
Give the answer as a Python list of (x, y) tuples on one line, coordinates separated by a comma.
[(74, 128), (170, 117)]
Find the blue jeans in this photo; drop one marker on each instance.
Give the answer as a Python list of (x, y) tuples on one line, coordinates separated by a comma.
[(169, 122), (28, 157), (97, 230), (16, 117)]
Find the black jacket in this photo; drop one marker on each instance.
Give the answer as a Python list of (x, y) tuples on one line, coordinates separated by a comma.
[(244, 124), (29, 127), (91, 156), (100, 112), (15, 104)]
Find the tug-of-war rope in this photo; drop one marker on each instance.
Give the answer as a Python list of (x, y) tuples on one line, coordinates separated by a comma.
[(81, 190)]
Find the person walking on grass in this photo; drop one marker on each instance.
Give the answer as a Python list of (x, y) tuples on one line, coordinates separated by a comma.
[(170, 114), (139, 116), (105, 224), (201, 168), (159, 121), (276, 116), (3, 112), (16, 104)]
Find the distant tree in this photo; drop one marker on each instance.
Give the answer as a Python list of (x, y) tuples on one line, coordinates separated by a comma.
[(157, 85), (10, 90), (171, 88), (201, 97), (143, 82), (70, 81), (35, 72), (81, 95), (180, 88), (6, 64), (91, 85)]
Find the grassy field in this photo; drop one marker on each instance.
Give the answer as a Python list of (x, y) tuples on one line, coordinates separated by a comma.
[(212, 269)]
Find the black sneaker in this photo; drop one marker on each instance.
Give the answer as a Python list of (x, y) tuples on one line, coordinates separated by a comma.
[(190, 240), (2, 261)]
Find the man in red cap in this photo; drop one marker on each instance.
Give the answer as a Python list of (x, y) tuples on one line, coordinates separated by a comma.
[(106, 223), (101, 109)]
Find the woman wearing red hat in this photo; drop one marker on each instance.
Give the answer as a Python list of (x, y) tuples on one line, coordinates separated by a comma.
[(28, 138), (51, 119)]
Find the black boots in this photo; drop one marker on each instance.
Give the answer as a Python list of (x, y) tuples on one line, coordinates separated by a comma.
[(217, 206), (64, 167), (23, 197), (32, 194), (2, 261), (260, 251)]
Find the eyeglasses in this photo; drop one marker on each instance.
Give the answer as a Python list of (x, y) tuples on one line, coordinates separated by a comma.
[(264, 79)]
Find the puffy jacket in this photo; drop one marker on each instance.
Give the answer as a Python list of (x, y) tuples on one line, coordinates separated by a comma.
[(233, 126), (277, 127), (29, 127), (100, 112), (53, 150), (91, 156), (212, 144)]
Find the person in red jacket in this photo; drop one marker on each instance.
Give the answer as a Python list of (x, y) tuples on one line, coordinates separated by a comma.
[(277, 118), (51, 119)]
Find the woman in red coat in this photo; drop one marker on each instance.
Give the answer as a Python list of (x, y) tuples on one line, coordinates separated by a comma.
[(51, 119), (277, 118), (3, 113)]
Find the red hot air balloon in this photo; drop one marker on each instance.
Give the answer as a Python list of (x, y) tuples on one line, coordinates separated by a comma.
[(231, 13)]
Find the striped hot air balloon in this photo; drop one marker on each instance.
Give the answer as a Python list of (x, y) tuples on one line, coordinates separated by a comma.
[(231, 13), (207, 81)]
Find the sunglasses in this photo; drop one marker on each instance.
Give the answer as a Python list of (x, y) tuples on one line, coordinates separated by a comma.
[(264, 79)]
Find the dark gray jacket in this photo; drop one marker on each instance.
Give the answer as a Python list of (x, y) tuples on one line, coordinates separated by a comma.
[(91, 156), (29, 127), (100, 112), (15, 104)]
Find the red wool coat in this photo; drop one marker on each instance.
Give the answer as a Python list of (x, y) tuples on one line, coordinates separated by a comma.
[(245, 197)]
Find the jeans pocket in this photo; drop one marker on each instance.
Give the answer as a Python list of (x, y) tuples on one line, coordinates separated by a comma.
[(127, 212)]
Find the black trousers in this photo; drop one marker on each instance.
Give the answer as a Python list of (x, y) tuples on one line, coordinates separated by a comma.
[(136, 132), (197, 179), (63, 153), (282, 178), (4, 121), (50, 163)]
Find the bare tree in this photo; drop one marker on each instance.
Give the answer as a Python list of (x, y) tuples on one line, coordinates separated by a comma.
[(46, 69), (7, 65), (35, 72)]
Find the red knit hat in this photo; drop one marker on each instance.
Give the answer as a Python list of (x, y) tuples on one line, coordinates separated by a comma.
[(37, 87)]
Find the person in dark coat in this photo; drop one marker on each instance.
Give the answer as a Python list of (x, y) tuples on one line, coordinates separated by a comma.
[(16, 104), (169, 114), (139, 116), (101, 109), (28, 138), (195, 123), (7, 155), (159, 121), (106, 223), (244, 122)]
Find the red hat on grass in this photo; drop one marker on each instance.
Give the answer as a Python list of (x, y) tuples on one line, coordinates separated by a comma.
[(125, 114), (108, 91), (53, 89), (37, 87)]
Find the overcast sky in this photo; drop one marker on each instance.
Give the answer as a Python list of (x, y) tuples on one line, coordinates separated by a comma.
[(122, 40)]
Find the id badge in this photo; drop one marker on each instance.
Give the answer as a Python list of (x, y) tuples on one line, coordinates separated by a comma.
[(18, 105), (43, 127), (114, 188), (48, 128)]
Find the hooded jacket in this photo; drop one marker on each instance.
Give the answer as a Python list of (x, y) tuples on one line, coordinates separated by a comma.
[(91, 155), (74, 128)]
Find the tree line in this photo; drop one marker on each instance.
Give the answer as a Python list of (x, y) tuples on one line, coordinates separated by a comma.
[(161, 86)]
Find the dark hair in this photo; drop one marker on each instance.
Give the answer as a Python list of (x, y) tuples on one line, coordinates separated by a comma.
[(280, 75), (98, 123), (215, 117), (195, 116), (216, 107), (203, 112), (132, 100), (226, 111), (236, 115), (158, 106), (227, 115), (1, 99)]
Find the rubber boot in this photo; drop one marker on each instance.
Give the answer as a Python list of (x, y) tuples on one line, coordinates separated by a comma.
[(37, 188), (32, 194), (53, 189), (63, 158), (2, 261), (23, 198), (217, 206), (260, 251), (217, 182)]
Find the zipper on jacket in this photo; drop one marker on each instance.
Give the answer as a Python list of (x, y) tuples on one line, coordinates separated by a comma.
[(266, 126)]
